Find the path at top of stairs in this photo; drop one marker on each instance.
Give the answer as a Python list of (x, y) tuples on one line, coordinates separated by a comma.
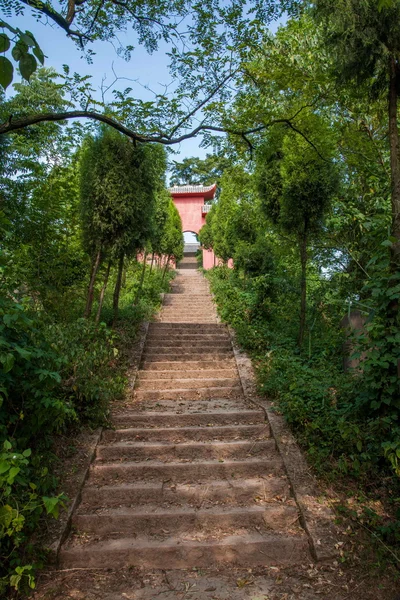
[(190, 477)]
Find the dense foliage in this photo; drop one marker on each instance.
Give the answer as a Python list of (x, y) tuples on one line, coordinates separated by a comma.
[(67, 196), (308, 208), (311, 226)]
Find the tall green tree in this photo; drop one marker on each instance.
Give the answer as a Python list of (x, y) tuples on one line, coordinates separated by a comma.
[(119, 185), (297, 188), (364, 38)]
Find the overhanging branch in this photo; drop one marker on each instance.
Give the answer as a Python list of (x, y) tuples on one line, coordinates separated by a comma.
[(166, 139)]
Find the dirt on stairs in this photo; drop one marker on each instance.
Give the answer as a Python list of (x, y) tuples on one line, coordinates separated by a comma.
[(190, 477)]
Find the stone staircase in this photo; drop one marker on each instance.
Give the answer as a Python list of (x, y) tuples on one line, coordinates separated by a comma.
[(190, 477)]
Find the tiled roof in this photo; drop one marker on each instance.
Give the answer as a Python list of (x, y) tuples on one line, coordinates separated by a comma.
[(191, 189)]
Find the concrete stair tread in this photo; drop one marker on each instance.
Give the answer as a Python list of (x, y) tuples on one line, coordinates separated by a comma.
[(175, 552), (153, 520), (270, 444), (179, 383), (125, 450), (189, 432), (188, 393), (146, 375), (186, 464), (234, 491), (188, 364), (174, 419)]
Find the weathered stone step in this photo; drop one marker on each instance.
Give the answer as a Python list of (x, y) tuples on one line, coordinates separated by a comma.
[(202, 321), (268, 489), (186, 450), (194, 471), (186, 383), (190, 356), (195, 405), (188, 314), (188, 337), (195, 393), (152, 520), (180, 434), (165, 375), (178, 553), (174, 419), (187, 348), (188, 327), (178, 365), (187, 266)]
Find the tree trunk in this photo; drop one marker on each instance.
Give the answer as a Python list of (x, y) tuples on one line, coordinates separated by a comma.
[(139, 291), (394, 163), (95, 267), (152, 260), (303, 288), (117, 288), (103, 291), (165, 268)]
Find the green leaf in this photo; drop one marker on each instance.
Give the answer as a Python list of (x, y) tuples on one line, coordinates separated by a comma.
[(39, 54), (4, 42), (7, 445), (27, 66), (4, 466), (20, 49), (12, 474), (27, 452), (51, 505), (7, 359), (6, 72), (28, 39)]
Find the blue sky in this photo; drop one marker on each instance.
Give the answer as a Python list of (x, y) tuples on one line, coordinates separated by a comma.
[(143, 70)]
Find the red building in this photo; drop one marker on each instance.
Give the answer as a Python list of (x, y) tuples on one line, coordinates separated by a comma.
[(190, 200)]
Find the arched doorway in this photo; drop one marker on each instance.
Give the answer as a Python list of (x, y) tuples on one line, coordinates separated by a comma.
[(191, 240)]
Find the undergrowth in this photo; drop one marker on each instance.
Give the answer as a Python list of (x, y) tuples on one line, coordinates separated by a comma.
[(56, 377), (349, 444)]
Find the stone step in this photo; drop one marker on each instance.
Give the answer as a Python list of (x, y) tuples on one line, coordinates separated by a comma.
[(187, 383), (187, 317), (176, 553), (269, 489), (178, 365), (180, 320), (152, 520), (176, 347), (235, 391), (186, 450), (180, 434), (187, 337), (187, 346), (194, 471), (188, 266), (187, 305), (174, 419), (188, 327), (200, 374), (197, 356)]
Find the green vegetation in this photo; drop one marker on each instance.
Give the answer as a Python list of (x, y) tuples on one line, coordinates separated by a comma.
[(98, 204), (308, 209)]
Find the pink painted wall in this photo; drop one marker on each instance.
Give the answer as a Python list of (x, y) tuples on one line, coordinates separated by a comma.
[(189, 208), (208, 259)]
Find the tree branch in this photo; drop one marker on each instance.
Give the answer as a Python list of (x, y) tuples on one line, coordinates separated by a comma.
[(58, 18), (203, 103), (21, 123)]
